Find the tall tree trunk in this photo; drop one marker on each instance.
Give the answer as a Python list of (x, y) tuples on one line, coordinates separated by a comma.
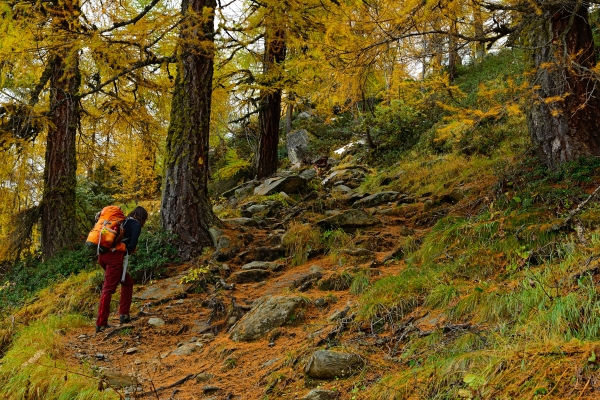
[(453, 58), (186, 209), (478, 25), (58, 202), (270, 103), (564, 117), (289, 112)]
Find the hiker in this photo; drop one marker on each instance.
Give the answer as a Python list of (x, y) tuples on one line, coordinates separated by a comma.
[(112, 263)]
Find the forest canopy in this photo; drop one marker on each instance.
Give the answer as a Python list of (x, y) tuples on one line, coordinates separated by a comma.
[(101, 102)]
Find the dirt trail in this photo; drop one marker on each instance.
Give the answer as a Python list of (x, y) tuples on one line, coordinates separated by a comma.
[(212, 366)]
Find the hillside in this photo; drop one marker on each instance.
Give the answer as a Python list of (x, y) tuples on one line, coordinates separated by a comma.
[(455, 268)]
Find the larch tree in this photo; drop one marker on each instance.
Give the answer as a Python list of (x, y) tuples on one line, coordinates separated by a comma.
[(564, 113), (186, 209), (269, 109), (54, 58)]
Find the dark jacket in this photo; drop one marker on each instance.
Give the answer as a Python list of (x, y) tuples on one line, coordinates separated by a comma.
[(133, 228)]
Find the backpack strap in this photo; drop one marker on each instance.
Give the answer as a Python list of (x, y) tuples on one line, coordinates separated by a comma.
[(122, 226), (100, 237)]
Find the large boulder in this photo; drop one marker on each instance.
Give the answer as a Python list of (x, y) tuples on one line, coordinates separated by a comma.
[(268, 314), (349, 219), (297, 147), (289, 184), (325, 364)]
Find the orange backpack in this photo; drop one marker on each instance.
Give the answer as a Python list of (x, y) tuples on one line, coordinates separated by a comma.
[(108, 231)]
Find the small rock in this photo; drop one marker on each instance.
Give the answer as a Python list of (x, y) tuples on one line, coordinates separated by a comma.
[(208, 337), (210, 389), (428, 205), (376, 199), (264, 253), (186, 349), (156, 322), (117, 380), (266, 265), (165, 290), (308, 174), (250, 275), (313, 274), (242, 191), (224, 268), (82, 337), (204, 377), (100, 356), (288, 184), (339, 313), (321, 394), (265, 315), (320, 302), (349, 219), (325, 364), (342, 189), (240, 221), (358, 252), (405, 231), (201, 326), (215, 234), (131, 350), (257, 208), (303, 115)]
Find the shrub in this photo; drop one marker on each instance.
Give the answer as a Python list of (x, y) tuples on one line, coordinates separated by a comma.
[(300, 240)]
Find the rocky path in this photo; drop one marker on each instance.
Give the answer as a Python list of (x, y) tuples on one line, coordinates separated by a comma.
[(258, 327)]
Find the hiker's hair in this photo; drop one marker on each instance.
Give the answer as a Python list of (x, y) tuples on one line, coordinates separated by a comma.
[(140, 214)]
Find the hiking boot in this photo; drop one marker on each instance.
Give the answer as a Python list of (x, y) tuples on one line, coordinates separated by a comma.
[(124, 319), (102, 328)]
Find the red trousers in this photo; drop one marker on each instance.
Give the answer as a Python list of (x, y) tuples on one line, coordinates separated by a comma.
[(112, 264)]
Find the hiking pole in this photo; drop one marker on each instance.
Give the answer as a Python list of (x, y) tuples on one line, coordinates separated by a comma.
[(125, 262)]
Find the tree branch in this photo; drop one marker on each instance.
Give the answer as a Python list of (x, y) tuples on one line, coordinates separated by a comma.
[(133, 20), (137, 65)]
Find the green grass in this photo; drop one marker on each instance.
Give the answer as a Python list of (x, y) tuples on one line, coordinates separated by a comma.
[(33, 367)]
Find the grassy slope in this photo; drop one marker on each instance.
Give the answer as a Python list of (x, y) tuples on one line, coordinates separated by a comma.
[(517, 317), (515, 298), (31, 366)]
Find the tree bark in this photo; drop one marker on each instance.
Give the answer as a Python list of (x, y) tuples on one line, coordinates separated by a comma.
[(289, 112), (58, 202), (479, 53), (563, 118), (186, 209), (453, 57), (270, 103)]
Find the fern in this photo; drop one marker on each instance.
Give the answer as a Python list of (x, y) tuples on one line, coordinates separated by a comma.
[(233, 165)]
